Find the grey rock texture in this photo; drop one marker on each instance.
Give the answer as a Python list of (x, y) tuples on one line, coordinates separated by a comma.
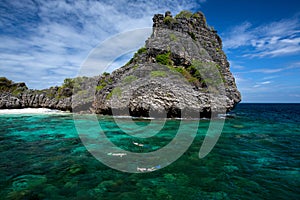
[(159, 80), (17, 95), (34, 99)]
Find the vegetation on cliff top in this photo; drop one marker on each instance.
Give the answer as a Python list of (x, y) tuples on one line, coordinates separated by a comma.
[(191, 73), (7, 85)]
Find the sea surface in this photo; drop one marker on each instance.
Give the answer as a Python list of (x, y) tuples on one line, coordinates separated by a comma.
[(256, 157)]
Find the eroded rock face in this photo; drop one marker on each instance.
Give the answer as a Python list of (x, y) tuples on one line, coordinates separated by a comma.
[(181, 72), (17, 95), (34, 99)]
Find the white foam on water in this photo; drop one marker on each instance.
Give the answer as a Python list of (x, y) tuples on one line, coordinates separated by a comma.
[(31, 111)]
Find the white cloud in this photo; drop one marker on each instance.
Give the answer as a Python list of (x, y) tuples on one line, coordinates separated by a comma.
[(270, 77), (268, 71), (259, 84), (236, 65), (44, 42), (276, 70), (111, 49), (266, 85), (293, 66), (265, 82), (238, 36), (270, 40), (269, 87), (295, 95)]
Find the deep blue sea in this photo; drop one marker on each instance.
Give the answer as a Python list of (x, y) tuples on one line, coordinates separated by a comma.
[(256, 157)]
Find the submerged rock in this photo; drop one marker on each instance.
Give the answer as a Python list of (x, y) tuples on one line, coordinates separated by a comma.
[(230, 168), (76, 169), (27, 182)]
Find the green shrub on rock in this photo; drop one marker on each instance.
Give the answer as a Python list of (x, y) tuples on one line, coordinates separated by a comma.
[(193, 36), (129, 79), (105, 73), (158, 74), (100, 87), (196, 15), (173, 37), (139, 52), (68, 83), (194, 72), (102, 84), (184, 14), (210, 72), (164, 59), (169, 20), (117, 91), (5, 81), (142, 50)]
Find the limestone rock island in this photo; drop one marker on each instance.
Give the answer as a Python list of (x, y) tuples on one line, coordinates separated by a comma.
[(181, 69)]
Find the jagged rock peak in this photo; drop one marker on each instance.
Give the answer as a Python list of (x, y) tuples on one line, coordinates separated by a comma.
[(186, 22), (180, 20)]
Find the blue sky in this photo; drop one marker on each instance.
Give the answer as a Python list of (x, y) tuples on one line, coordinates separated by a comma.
[(43, 42)]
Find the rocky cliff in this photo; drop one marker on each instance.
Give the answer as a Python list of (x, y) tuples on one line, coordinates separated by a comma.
[(181, 68), (181, 71)]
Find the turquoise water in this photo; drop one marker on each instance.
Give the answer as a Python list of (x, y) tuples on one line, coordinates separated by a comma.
[(256, 157)]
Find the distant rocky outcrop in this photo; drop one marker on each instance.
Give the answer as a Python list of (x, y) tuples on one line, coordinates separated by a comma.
[(181, 68), (17, 95)]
